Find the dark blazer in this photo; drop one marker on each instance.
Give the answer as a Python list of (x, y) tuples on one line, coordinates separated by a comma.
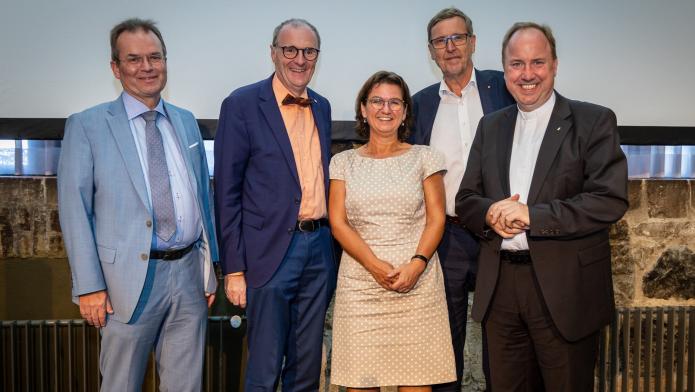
[(579, 187), (493, 96), (257, 191)]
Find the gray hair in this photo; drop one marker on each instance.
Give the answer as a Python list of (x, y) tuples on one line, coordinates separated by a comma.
[(448, 13), (296, 22)]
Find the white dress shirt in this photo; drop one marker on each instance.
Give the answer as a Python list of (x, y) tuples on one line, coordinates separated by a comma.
[(452, 133), (188, 221), (528, 135)]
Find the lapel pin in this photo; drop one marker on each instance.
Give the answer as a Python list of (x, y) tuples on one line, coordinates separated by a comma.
[(558, 129)]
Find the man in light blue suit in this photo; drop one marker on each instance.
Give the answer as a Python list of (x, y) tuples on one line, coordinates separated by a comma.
[(136, 216)]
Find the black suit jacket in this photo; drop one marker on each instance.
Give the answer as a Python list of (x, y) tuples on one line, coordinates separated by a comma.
[(493, 96), (579, 187)]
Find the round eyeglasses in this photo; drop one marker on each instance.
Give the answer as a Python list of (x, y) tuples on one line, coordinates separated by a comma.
[(291, 52), (394, 104)]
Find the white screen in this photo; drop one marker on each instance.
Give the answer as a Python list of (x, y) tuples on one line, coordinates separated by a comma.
[(632, 56)]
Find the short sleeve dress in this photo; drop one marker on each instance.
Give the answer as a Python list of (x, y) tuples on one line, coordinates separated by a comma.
[(381, 337)]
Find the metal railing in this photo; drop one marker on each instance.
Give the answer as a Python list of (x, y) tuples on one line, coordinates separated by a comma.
[(63, 355), (643, 350), (648, 349)]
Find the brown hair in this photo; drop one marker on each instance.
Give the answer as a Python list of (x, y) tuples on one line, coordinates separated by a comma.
[(132, 25), (383, 77), (545, 29)]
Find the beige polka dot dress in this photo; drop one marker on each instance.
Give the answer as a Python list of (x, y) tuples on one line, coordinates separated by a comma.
[(381, 337)]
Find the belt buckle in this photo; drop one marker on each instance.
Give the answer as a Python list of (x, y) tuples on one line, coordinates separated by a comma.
[(306, 226)]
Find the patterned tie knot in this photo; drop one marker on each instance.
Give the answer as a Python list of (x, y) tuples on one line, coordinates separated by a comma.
[(291, 100), (149, 116)]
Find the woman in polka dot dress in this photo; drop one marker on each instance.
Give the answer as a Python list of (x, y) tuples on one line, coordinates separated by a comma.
[(386, 208)]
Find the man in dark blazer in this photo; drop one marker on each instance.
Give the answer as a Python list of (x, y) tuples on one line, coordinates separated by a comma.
[(544, 181), (271, 180), (446, 117)]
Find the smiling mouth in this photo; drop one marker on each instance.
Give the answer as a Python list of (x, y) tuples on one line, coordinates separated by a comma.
[(384, 118), (529, 87)]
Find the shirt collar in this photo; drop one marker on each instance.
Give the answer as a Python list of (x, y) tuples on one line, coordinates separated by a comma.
[(281, 91), (444, 89), (541, 111), (135, 108)]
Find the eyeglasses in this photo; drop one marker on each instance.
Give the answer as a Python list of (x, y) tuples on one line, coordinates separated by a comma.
[(291, 52), (456, 39), (394, 104), (154, 59)]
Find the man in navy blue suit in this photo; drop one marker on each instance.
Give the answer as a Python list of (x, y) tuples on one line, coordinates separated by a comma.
[(271, 180), (446, 117)]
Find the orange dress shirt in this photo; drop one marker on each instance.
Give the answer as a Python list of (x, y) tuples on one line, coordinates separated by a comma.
[(306, 148)]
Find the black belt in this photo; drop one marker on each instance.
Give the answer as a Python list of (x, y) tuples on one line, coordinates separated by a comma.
[(454, 220), (515, 256), (171, 254), (310, 225)]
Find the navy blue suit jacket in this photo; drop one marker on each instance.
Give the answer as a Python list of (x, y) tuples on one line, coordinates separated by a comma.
[(257, 191), (493, 96)]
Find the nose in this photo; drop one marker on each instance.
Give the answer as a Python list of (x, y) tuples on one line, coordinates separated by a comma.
[(146, 63), (300, 59), (526, 73), (386, 108), (450, 47)]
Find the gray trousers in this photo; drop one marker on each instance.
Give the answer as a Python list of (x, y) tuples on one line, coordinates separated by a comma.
[(171, 318)]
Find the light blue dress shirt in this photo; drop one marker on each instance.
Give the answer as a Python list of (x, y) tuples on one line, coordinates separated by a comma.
[(188, 222)]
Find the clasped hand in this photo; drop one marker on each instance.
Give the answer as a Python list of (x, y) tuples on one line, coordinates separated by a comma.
[(401, 279), (508, 217)]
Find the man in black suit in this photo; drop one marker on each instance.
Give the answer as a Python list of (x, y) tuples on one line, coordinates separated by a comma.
[(544, 181), (446, 117)]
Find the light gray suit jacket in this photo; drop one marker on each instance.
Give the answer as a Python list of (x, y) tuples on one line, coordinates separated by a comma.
[(105, 213)]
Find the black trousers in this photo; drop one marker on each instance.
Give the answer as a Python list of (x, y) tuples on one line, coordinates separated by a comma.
[(526, 351)]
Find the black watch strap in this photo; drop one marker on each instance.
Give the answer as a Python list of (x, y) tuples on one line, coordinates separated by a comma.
[(420, 257)]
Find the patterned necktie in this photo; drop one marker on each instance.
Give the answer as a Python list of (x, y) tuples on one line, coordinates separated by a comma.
[(291, 100), (158, 173)]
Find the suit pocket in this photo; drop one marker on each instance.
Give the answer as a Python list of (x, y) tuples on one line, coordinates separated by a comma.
[(106, 254), (595, 253), (252, 219)]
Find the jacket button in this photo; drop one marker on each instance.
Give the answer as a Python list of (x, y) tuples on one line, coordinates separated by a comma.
[(148, 223), (297, 200), (290, 230), (144, 256)]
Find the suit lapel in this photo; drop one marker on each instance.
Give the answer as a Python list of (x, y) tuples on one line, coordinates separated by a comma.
[(505, 139), (120, 129), (271, 112), (485, 89), (430, 105), (182, 141), (558, 127), (323, 130)]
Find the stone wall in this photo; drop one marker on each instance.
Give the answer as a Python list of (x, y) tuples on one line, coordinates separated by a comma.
[(653, 259)]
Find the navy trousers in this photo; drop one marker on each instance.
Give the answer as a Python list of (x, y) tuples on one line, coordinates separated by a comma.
[(286, 317), (458, 255)]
